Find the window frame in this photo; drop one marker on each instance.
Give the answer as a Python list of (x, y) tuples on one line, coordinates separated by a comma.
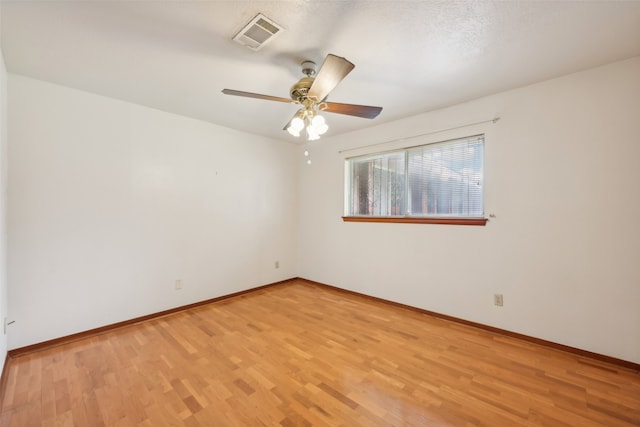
[(407, 218)]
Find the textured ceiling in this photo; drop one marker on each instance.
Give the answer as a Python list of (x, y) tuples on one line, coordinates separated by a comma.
[(410, 56)]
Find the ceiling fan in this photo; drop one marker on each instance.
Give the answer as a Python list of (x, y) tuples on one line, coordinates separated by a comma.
[(311, 93)]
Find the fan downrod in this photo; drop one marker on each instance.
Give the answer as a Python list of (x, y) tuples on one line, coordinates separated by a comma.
[(300, 89), (308, 68)]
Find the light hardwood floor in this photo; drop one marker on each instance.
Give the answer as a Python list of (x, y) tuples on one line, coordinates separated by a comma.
[(298, 354)]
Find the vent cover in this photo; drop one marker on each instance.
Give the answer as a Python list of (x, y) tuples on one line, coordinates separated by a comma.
[(260, 31)]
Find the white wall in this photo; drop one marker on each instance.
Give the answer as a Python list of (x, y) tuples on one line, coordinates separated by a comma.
[(561, 177), (110, 203), (3, 209)]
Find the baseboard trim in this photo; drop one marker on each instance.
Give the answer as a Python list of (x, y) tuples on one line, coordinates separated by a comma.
[(104, 329), (573, 350), (107, 328)]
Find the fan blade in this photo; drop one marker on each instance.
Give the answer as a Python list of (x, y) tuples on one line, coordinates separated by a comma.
[(256, 95), (333, 70), (364, 111)]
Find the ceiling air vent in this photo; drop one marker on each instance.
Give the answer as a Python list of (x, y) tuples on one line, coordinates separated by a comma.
[(258, 32)]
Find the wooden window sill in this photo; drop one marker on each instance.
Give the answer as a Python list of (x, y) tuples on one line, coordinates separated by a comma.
[(417, 220)]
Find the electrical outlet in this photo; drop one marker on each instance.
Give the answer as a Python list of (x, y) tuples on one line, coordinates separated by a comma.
[(497, 300), (178, 284), (277, 264)]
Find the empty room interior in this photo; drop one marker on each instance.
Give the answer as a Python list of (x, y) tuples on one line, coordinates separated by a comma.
[(320, 213)]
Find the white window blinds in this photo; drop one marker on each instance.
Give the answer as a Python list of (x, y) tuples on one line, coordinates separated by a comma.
[(443, 179)]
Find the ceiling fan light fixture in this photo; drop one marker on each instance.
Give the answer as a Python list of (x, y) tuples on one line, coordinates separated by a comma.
[(319, 124), (312, 134), (296, 125), (293, 132), (309, 120)]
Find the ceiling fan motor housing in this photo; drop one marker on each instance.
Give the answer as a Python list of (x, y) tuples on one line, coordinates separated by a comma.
[(300, 89)]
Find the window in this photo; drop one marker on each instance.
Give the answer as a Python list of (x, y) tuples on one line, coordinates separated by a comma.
[(440, 182)]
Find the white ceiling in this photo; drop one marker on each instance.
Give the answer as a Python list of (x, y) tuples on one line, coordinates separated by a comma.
[(410, 56)]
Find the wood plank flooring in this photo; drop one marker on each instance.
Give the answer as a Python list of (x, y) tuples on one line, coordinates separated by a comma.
[(298, 354)]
